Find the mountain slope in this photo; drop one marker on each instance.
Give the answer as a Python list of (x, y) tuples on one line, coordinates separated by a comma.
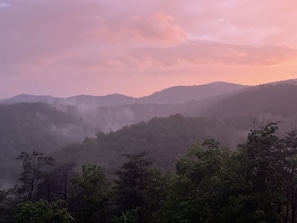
[(174, 95), (26, 98), (166, 139), (277, 98), (181, 94), (261, 104), (228, 118), (80, 100), (98, 101), (34, 126)]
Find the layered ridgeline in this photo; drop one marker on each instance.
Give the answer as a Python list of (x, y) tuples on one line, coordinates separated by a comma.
[(112, 112), (33, 126), (208, 184), (260, 104), (220, 110), (173, 95), (165, 139)]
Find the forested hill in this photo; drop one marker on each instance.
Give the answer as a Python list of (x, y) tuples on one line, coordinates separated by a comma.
[(172, 95), (261, 104), (256, 183), (182, 94), (274, 99), (261, 172), (33, 126), (45, 127), (166, 140)]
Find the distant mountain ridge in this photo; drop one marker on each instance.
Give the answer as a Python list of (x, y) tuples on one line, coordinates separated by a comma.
[(47, 123), (84, 100), (277, 98), (282, 82), (172, 95), (182, 94)]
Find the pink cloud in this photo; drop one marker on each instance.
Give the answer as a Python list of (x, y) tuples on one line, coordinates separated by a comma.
[(196, 53), (50, 41), (160, 28), (187, 54)]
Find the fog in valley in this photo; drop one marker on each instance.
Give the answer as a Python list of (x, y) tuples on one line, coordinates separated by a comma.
[(148, 111), (58, 122), (90, 131)]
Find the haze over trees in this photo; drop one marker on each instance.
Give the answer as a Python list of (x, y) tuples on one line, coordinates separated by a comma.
[(211, 183), (143, 162)]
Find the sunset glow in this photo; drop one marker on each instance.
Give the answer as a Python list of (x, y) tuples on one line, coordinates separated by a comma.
[(99, 47)]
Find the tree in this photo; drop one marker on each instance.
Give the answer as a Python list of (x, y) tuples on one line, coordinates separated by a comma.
[(261, 195), (8, 205), (42, 212), (288, 155), (139, 190), (89, 195), (56, 183), (33, 172), (199, 190)]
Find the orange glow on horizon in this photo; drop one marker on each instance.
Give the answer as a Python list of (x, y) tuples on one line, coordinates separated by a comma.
[(136, 48)]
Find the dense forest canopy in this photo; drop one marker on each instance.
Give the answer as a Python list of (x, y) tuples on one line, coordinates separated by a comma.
[(49, 126), (193, 161), (211, 183)]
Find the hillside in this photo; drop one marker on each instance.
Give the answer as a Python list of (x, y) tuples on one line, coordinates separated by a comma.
[(182, 94), (79, 100), (34, 126), (278, 99), (112, 112), (173, 95), (166, 139), (261, 104), (227, 117)]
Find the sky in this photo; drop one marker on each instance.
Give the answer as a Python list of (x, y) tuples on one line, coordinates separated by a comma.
[(135, 47)]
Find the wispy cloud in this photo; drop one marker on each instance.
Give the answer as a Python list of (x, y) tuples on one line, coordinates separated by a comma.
[(51, 41), (5, 4)]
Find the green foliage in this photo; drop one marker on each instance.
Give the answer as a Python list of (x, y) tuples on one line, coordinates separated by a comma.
[(8, 205), (139, 190), (288, 147), (195, 193), (42, 212), (56, 183), (166, 139), (261, 167), (91, 179), (255, 184), (129, 216), (89, 196), (28, 127), (133, 180), (33, 172)]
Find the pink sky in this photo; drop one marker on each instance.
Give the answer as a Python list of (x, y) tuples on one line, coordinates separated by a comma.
[(70, 47)]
